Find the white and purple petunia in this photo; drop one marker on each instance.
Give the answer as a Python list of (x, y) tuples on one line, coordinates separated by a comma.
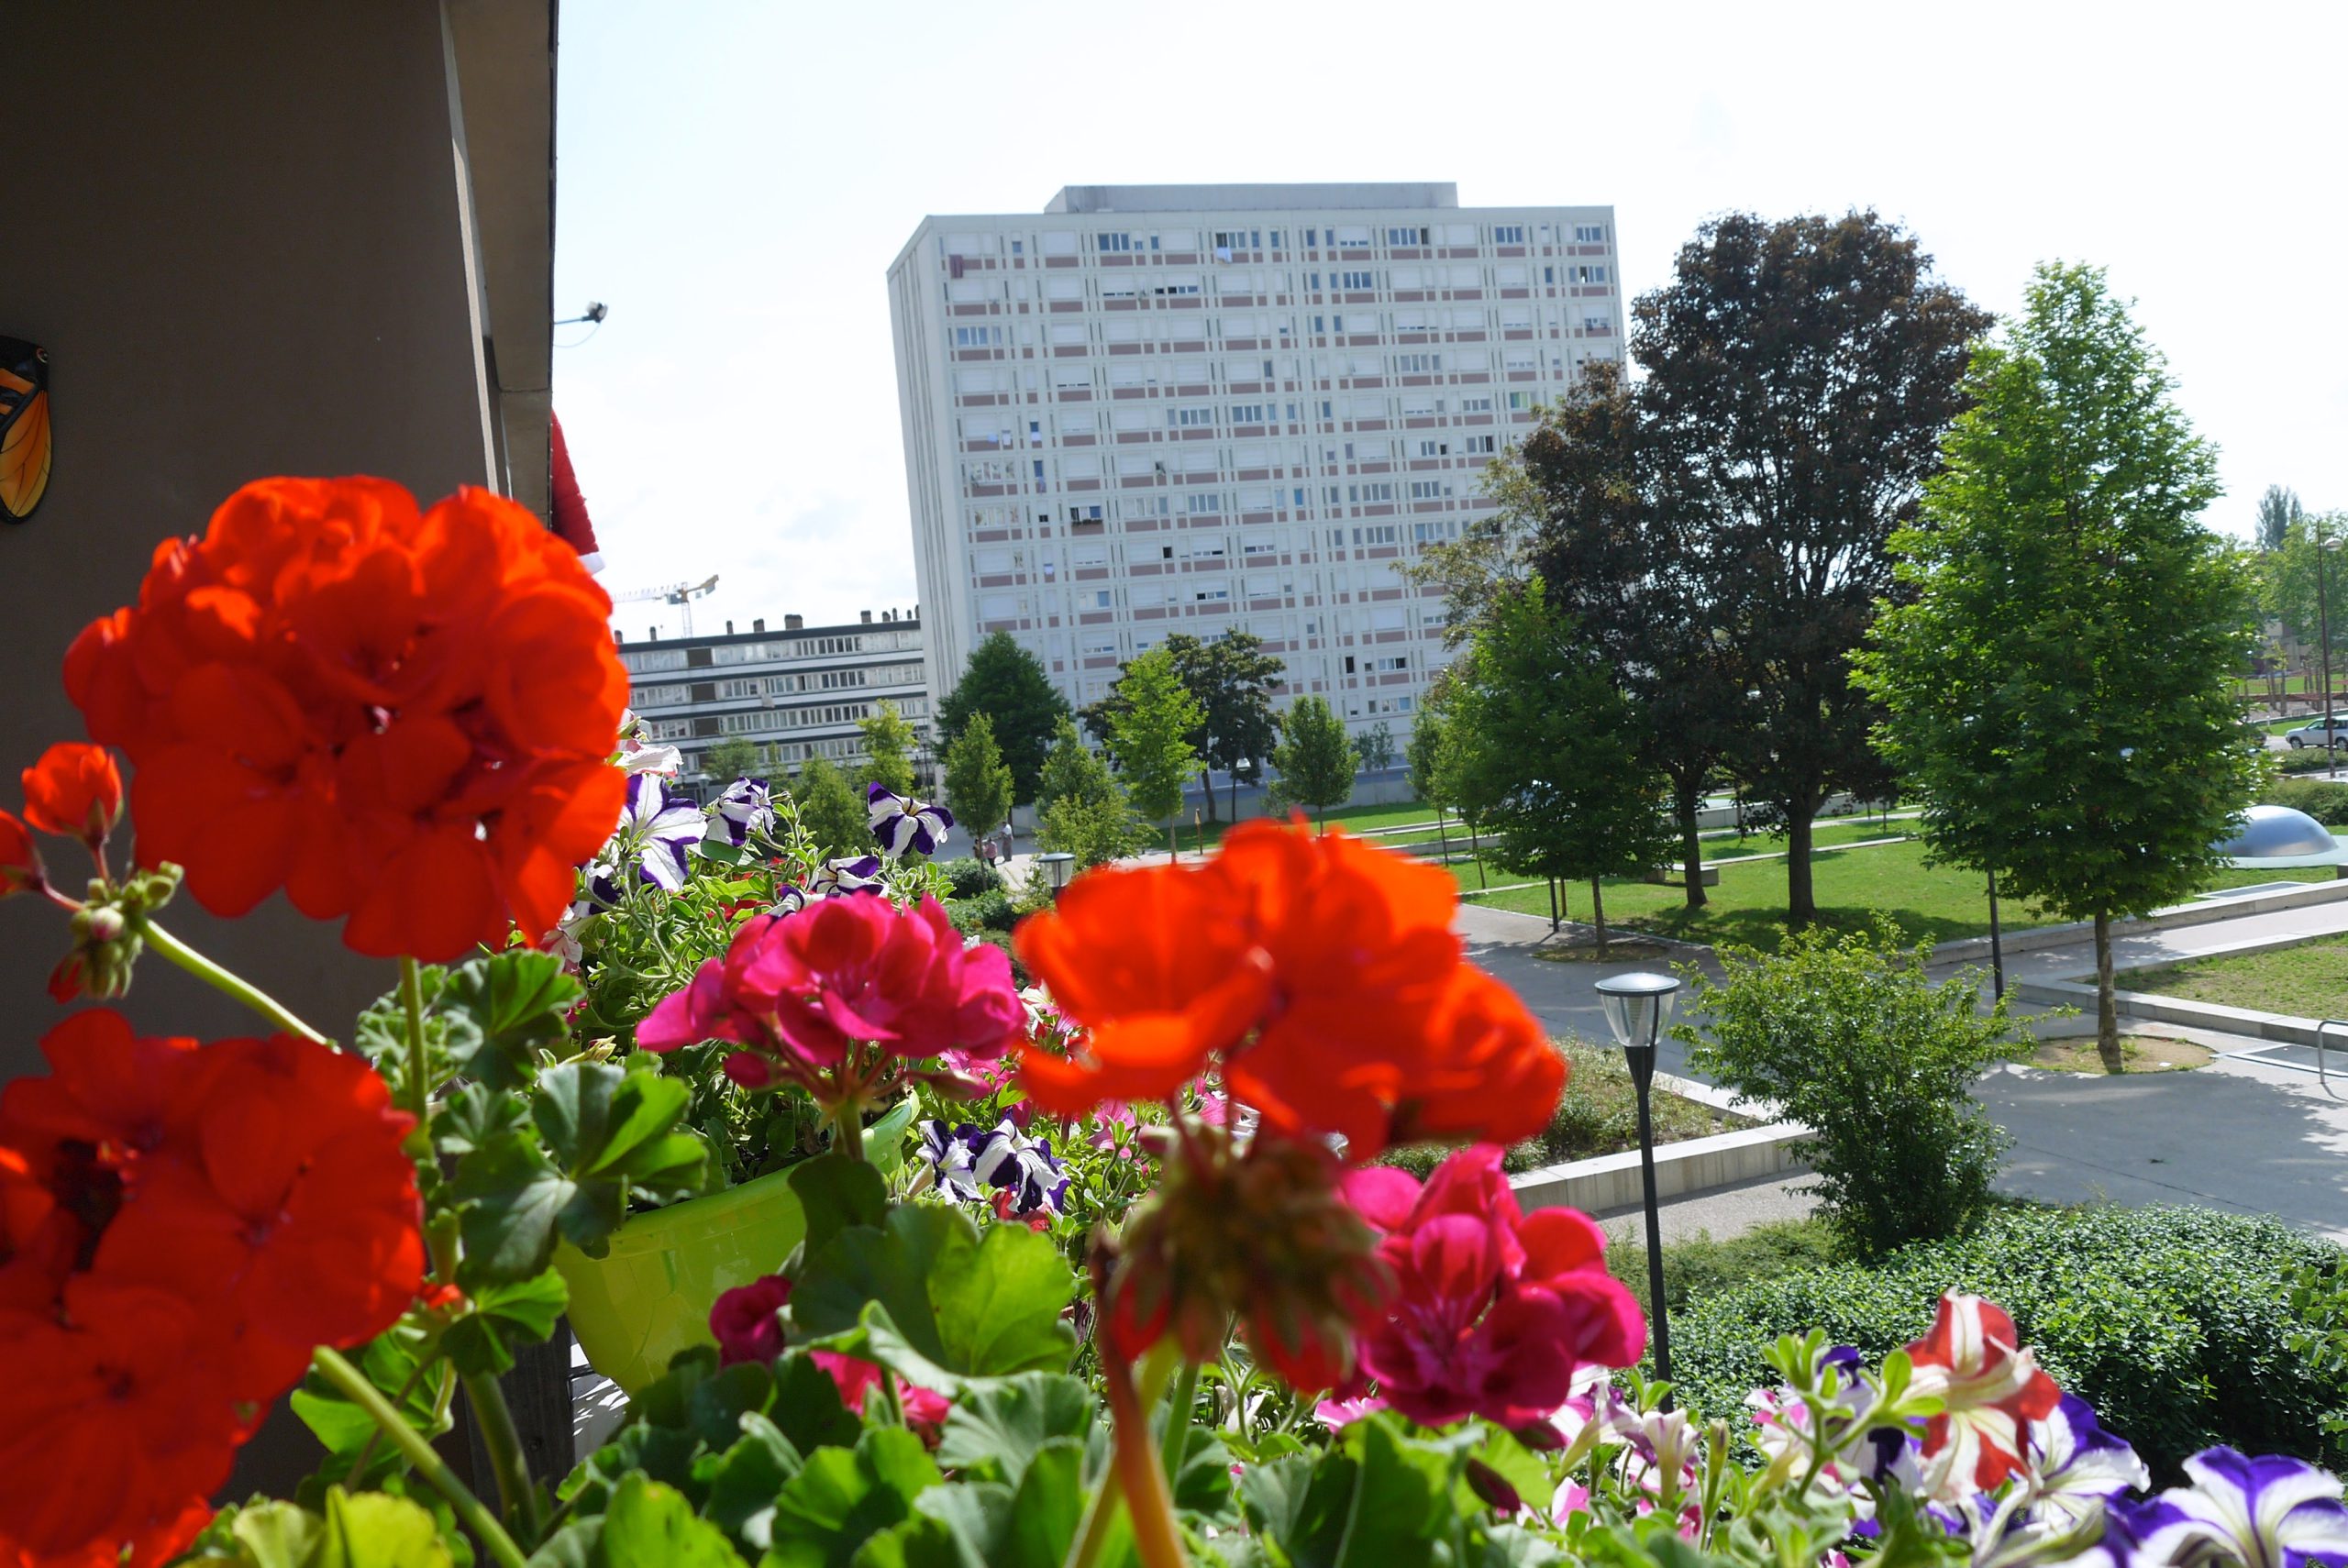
[(902, 825), (2079, 1464), (791, 900), (639, 754), (849, 873), (659, 824), (2266, 1512), (970, 1161), (744, 810)]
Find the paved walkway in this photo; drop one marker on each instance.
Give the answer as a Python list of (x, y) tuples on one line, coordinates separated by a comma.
[(2257, 1135)]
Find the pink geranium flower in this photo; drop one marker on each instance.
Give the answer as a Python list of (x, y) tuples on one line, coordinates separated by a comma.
[(1494, 1310), (801, 992)]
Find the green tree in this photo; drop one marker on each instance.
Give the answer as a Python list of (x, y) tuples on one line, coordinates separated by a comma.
[(1151, 736), (2309, 605), (978, 784), (2278, 509), (1009, 685), (829, 809), (1072, 771), (1546, 736), (1799, 377), (888, 748), (1314, 759), (1233, 678), (1375, 747), (2057, 691), (1848, 1037), (732, 758), (1595, 502), (1094, 827), (1423, 760)]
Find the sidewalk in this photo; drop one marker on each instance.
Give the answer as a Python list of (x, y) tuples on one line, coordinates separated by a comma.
[(2252, 1136)]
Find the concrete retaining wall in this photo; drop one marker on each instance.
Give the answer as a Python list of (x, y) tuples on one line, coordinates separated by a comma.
[(2200, 911), (1691, 1165)]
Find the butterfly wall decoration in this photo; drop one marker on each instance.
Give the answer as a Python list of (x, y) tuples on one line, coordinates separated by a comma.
[(24, 427)]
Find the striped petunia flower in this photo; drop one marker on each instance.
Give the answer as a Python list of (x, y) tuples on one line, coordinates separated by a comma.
[(660, 824), (972, 1163), (742, 811), (903, 825), (848, 874), (2270, 1511)]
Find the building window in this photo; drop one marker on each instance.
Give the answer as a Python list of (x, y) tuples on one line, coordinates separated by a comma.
[(1406, 237), (977, 336), (1508, 233), (1589, 233), (1357, 280)]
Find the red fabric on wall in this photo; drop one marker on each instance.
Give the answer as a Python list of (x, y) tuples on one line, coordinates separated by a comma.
[(571, 523)]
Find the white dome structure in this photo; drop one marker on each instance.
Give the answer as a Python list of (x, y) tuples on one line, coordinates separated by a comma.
[(2278, 837)]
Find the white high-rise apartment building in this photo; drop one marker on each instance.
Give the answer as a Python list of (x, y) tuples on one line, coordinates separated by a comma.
[(1161, 408)]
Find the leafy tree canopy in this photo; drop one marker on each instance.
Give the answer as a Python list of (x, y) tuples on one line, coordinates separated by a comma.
[(1009, 685), (978, 782), (1315, 757), (888, 748), (2057, 690), (1151, 735)]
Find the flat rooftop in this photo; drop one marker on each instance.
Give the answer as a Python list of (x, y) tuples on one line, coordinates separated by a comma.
[(1251, 198)]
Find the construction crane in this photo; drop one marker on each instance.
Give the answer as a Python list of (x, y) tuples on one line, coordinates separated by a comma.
[(681, 594)]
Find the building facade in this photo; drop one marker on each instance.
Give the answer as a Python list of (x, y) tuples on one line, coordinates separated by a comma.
[(794, 694), (1196, 408)]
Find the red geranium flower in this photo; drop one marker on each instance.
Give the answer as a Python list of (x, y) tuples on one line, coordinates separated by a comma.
[(20, 867), (1991, 1390), (801, 990), (73, 791), (108, 1087), (748, 1327), (399, 718), (120, 1423), (1493, 1309), (285, 1191), (1322, 972)]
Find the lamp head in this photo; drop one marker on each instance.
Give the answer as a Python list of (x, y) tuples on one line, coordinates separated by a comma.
[(1058, 867), (1635, 1006)]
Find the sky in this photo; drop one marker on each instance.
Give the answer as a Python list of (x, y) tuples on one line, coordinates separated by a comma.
[(735, 179)]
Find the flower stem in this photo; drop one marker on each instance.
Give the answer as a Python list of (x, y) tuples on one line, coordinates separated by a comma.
[(419, 1058), (354, 1385), (1147, 1501), (504, 1445), (1093, 1534), (1178, 1419), (221, 980), (847, 1120)]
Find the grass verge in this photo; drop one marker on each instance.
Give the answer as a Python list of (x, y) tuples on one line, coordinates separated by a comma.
[(2306, 981)]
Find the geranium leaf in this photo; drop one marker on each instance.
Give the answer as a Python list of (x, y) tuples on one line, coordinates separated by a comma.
[(928, 1297), (511, 1196), (644, 1109), (1402, 1505), (521, 1312), (996, 1427), (371, 1530), (652, 1525), (516, 1000), (744, 1482), (275, 1535), (837, 1192), (1046, 1510), (841, 1497), (807, 1407), (573, 1107)]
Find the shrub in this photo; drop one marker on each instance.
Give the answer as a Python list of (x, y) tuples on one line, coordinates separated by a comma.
[(2307, 759), (968, 878), (989, 911), (2325, 801), (1848, 1036), (2176, 1324)]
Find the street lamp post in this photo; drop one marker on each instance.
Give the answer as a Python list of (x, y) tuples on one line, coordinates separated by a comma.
[(2323, 640), (1635, 1006), (1239, 771), (1058, 867)]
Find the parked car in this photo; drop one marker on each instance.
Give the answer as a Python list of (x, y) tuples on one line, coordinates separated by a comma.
[(2314, 733)]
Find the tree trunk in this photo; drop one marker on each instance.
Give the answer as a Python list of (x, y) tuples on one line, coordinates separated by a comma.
[(1691, 846), (1802, 903), (1444, 833), (1320, 819), (2107, 1008), (1475, 852), (1174, 836), (1556, 915), (1234, 796), (1598, 912), (1206, 788)]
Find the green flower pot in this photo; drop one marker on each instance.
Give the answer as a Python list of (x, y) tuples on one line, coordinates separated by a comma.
[(649, 1296)]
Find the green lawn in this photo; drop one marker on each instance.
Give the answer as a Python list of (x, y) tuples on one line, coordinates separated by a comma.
[(1929, 903), (2310, 981), (1357, 818)]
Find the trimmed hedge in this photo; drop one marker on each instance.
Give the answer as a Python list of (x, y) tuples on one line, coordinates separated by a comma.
[(2307, 759), (967, 877), (2173, 1323), (2325, 801)]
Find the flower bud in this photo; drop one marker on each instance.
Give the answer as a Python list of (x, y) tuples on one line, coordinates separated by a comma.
[(1261, 1235), (20, 867)]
